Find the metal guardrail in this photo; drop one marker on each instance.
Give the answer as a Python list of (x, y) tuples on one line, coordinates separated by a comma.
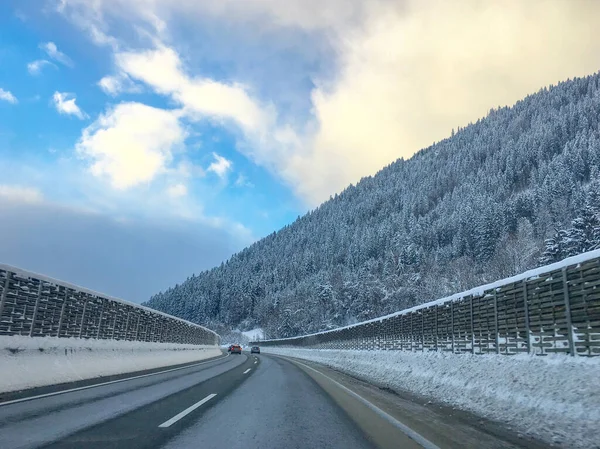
[(553, 309), (38, 306)]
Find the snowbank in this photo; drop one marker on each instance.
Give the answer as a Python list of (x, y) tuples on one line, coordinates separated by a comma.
[(27, 362), (554, 398)]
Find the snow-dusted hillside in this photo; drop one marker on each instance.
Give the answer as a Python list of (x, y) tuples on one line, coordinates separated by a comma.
[(517, 188), (254, 334)]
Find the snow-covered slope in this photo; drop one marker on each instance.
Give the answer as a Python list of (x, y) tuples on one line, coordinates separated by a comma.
[(255, 334), (481, 205)]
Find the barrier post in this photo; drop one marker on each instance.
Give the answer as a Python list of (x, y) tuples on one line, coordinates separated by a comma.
[(4, 293), (472, 325), (568, 312), (83, 318), (62, 312), (496, 322), (35, 310), (526, 309), (452, 323)]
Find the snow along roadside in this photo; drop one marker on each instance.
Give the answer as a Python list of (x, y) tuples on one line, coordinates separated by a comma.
[(553, 398), (27, 362)]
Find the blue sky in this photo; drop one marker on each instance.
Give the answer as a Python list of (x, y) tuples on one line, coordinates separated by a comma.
[(245, 193), (142, 141)]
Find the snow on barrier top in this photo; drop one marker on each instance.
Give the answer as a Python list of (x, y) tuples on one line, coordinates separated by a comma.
[(556, 297), (50, 310)]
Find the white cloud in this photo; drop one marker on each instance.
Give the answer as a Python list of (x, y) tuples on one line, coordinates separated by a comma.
[(20, 194), (220, 166), (65, 104), (262, 139), (406, 73), (116, 84), (177, 190), (54, 53), (306, 14), (187, 169), (242, 181), (110, 85), (202, 97), (35, 67), (132, 143), (6, 95), (408, 77)]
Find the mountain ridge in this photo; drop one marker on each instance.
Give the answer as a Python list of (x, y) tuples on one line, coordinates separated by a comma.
[(511, 191)]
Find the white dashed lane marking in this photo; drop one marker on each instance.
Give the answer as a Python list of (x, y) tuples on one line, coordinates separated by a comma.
[(187, 411)]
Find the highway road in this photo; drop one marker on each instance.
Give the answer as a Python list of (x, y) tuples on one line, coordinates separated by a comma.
[(240, 401)]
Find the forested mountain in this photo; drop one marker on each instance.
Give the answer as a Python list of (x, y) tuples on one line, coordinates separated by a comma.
[(517, 189)]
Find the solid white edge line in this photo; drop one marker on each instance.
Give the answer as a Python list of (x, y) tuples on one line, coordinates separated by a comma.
[(404, 428), (187, 411), (55, 393), (249, 369)]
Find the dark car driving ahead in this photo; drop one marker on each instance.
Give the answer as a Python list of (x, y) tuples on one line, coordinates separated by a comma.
[(255, 350), (236, 349)]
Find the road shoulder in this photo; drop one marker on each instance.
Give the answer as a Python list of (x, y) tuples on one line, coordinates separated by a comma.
[(95, 381), (440, 424)]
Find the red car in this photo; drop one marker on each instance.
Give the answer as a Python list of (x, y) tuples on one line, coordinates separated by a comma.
[(236, 349)]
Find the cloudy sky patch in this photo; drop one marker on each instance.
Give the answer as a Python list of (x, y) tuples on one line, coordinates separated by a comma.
[(235, 117)]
